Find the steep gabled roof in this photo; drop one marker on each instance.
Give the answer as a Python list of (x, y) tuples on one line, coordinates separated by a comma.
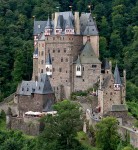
[(88, 55), (117, 75), (42, 86), (39, 26), (88, 25), (69, 23), (60, 22)]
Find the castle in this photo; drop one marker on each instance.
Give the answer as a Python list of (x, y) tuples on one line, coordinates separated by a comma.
[(66, 60)]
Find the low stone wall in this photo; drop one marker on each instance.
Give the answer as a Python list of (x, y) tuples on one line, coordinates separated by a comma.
[(129, 133), (8, 99), (30, 126)]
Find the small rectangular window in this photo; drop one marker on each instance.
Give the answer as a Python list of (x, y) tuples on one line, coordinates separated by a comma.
[(60, 69), (94, 66)]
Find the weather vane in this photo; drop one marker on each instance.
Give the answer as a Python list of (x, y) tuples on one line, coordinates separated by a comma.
[(70, 7), (89, 7)]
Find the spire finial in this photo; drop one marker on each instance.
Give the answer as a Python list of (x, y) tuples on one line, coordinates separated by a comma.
[(89, 7), (70, 7), (33, 17)]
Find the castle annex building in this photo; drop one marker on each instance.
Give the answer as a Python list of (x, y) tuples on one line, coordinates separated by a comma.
[(67, 50)]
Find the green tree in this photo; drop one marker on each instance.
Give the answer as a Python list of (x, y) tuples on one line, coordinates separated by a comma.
[(61, 129), (107, 136)]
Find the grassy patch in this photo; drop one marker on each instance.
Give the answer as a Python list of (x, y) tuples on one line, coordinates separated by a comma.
[(2, 125), (83, 139)]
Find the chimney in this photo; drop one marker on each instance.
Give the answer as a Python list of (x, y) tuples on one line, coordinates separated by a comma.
[(55, 21), (77, 23)]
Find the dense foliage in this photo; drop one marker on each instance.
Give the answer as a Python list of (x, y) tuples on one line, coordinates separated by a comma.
[(61, 129), (107, 136), (117, 22)]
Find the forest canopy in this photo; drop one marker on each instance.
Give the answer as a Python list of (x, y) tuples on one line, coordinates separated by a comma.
[(117, 22)]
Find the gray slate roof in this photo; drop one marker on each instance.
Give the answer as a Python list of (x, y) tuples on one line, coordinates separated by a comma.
[(43, 86), (78, 60), (39, 27), (66, 20), (42, 37), (106, 65), (36, 51), (88, 56), (120, 107), (69, 23), (48, 25), (117, 75), (88, 25)]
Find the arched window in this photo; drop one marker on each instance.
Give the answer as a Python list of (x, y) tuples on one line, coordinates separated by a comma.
[(78, 68)]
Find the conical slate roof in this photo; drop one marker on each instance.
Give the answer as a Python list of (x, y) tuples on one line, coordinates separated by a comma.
[(88, 55), (48, 59), (117, 75), (78, 60), (59, 22), (48, 25), (107, 66), (36, 51), (69, 24)]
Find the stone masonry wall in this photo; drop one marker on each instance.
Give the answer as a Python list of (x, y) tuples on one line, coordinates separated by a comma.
[(64, 50), (89, 77), (31, 127), (34, 102)]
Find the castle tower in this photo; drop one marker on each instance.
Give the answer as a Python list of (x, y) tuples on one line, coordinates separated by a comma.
[(48, 66), (89, 29), (117, 79), (77, 23), (78, 67), (35, 64), (48, 28), (59, 25), (69, 29)]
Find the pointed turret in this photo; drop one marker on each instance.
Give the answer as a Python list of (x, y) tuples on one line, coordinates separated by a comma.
[(48, 65), (117, 79), (59, 24), (48, 28), (106, 66), (69, 28), (78, 67)]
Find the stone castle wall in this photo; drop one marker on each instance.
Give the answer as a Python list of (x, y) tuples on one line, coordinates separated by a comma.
[(89, 77), (64, 51), (34, 102), (30, 127)]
